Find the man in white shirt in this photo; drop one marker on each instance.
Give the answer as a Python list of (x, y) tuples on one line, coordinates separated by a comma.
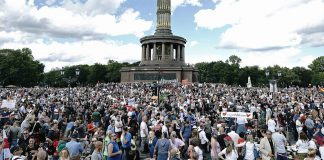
[(118, 126), (143, 133), (280, 143), (271, 124), (234, 136), (241, 125), (202, 136)]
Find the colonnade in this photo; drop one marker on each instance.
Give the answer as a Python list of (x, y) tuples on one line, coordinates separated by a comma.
[(150, 52)]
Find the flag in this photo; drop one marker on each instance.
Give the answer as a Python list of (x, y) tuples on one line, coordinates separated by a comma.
[(5, 150)]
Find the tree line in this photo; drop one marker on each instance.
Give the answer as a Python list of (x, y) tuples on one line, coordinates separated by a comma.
[(18, 67)]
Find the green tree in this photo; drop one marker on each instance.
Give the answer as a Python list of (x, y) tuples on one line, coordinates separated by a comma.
[(18, 67), (304, 76), (234, 60), (97, 73), (317, 67)]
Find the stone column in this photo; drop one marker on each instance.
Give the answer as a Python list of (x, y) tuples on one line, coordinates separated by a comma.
[(163, 51), (171, 51), (147, 52), (178, 52), (154, 52), (183, 53), (143, 52)]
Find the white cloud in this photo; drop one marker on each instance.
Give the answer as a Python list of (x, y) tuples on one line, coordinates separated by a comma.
[(60, 21), (57, 54), (93, 7), (287, 57), (177, 3), (264, 24), (193, 43), (47, 2), (61, 35)]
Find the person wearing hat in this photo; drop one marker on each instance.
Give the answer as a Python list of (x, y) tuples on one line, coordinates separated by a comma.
[(75, 148)]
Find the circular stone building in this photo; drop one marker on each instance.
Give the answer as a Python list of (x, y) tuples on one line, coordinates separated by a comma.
[(163, 54)]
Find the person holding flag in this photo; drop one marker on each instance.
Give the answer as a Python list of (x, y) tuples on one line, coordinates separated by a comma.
[(5, 151)]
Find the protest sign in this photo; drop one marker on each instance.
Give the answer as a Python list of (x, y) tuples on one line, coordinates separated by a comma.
[(237, 114), (131, 102), (10, 104)]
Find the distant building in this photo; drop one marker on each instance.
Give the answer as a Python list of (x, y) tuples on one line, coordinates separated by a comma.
[(163, 54)]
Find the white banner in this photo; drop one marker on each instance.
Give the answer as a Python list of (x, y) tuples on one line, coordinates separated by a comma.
[(131, 102), (237, 114), (10, 104)]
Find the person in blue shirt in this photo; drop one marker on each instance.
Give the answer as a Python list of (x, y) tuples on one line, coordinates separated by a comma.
[(113, 149), (75, 148), (186, 132), (111, 127), (126, 143), (152, 141)]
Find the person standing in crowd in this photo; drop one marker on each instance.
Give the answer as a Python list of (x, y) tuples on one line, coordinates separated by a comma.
[(266, 146), (75, 148), (153, 138), (162, 147), (126, 143), (97, 153), (310, 125), (234, 136), (229, 152), (202, 136), (174, 154), (24, 140), (272, 124), (31, 149), (221, 138), (144, 134), (96, 117), (241, 121), (280, 143), (249, 148), (16, 152), (111, 127), (14, 134), (105, 144), (64, 154), (41, 153), (302, 146), (176, 142), (215, 147), (186, 132), (118, 129), (114, 153)]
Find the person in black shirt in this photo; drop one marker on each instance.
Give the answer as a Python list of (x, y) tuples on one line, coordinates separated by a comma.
[(221, 138), (24, 140), (31, 149)]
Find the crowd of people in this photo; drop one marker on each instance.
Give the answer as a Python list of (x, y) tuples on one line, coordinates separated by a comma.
[(117, 121)]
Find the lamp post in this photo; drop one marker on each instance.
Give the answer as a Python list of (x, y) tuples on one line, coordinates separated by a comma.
[(70, 80), (273, 81)]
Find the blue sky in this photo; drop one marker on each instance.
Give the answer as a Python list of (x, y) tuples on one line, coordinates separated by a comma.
[(69, 32)]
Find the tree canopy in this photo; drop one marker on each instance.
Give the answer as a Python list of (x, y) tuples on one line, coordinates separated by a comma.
[(18, 67)]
